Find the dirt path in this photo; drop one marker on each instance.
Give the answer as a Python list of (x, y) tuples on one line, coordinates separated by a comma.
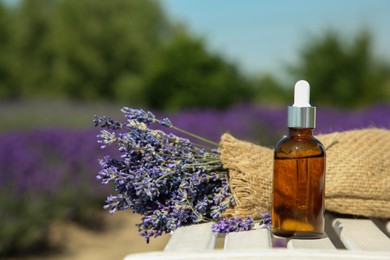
[(119, 239)]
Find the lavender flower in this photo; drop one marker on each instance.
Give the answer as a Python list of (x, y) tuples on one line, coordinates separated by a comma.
[(168, 179), (139, 115), (233, 224), (225, 226), (265, 220), (107, 123)]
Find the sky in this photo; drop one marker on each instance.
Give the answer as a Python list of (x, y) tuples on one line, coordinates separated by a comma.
[(264, 35)]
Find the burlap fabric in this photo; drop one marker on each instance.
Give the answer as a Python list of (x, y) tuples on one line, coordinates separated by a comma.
[(357, 173)]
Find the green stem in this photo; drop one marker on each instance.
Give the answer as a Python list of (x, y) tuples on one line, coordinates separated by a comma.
[(165, 175), (195, 136), (202, 218), (203, 163)]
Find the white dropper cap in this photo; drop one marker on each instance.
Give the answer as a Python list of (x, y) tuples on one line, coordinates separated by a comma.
[(301, 114), (302, 94)]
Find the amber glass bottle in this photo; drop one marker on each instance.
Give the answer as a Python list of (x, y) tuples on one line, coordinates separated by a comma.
[(299, 175)]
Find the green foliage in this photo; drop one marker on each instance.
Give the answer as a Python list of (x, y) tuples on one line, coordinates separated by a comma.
[(5, 58), (27, 218), (79, 49), (25, 223), (185, 75), (268, 90), (125, 51), (32, 53), (104, 47), (129, 52), (343, 74)]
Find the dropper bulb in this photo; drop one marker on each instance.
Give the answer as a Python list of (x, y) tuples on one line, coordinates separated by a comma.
[(302, 94)]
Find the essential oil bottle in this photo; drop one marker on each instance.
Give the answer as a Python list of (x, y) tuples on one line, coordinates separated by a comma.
[(299, 173)]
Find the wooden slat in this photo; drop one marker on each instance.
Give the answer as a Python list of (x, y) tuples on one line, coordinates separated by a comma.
[(383, 225), (331, 232), (192, 238), (253, 239), (388, 227), (361, 234), (269, 254), (321, 244)]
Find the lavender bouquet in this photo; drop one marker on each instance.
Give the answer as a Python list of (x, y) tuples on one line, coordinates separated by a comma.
[(168, 179)]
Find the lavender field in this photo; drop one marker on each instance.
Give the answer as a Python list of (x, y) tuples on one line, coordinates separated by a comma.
[(266, 125), (49, 173)]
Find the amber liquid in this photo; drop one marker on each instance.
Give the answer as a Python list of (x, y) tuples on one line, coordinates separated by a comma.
[(299, 189)]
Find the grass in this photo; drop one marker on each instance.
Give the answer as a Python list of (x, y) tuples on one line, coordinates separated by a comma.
[(32, 114)]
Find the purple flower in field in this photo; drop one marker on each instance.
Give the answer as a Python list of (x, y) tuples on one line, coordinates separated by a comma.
[(47, 162), (266, 125)]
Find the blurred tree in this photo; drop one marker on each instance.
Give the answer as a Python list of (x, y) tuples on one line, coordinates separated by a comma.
[(3, 43), (82, 49), (130, 52), (104, 47), (186, 75), (268, 90), (343, 74), (6, 61), (32, 55)]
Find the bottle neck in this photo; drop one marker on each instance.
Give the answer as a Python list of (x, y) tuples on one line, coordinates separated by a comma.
[(300, 132), (301, 117)]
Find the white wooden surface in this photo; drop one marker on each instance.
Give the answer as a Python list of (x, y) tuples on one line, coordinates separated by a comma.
[(388, 227), (361, 238), (248, 240), (361, 234), (192, 238), (321, 243)]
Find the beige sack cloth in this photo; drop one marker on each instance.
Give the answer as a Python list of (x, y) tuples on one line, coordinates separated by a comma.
[(357, 173)]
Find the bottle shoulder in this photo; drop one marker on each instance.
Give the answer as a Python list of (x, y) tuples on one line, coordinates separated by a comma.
[(295, 147)]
